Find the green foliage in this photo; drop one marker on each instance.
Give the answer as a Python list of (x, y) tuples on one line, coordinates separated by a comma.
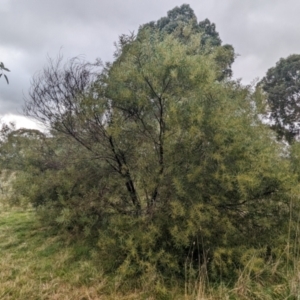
[(168, 167), (282, 86), (181, 22), (56, 184), (18, 147)]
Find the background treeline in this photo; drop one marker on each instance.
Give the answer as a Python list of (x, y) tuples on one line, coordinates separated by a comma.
[(160, 160)]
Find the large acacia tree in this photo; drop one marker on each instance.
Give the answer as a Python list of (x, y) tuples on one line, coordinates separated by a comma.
[(161, 154)]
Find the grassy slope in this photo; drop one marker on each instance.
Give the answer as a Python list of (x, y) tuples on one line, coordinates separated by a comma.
[(37, 264)]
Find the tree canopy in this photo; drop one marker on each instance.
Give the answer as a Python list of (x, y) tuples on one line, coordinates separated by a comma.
[(155, 142), (159, 156), (181, 22), (282, 85)]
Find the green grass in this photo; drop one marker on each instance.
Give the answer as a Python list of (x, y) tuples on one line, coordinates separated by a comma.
[(37, 264)]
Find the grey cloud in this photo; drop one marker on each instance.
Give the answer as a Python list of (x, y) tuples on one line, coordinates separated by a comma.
[(266, 30), (260, 31)]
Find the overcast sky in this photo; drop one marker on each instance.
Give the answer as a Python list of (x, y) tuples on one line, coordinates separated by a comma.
[(261, 31)]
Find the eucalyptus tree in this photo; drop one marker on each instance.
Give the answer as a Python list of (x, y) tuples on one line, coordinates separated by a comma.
[(282, 85), (181, 22)]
